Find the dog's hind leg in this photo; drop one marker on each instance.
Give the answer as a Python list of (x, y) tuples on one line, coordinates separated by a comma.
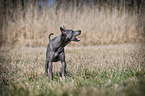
[(46, 67), (50, 70)]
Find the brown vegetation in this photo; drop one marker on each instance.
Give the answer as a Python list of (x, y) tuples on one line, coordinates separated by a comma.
[(30, 26)]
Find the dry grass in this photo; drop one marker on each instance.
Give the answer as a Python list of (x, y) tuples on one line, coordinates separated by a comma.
[(92, 70), (31, 27)]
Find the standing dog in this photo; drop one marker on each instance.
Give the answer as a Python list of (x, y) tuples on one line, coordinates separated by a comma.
[(55, 49)]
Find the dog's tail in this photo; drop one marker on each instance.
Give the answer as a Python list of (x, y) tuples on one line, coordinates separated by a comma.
[(49, 36)]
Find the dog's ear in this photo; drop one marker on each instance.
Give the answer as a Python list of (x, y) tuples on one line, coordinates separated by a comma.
[(63, 27), (62, 30)]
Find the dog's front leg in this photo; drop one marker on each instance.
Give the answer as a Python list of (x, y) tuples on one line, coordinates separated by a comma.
[(62, 59), (63, 68)]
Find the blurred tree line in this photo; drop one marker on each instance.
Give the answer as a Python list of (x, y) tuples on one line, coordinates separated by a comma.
[(7, 7), (14, 3)]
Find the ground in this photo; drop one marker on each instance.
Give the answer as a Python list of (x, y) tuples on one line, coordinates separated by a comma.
[(91, 70)]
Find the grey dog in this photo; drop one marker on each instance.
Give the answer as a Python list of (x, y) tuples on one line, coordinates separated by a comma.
[(55, 49)]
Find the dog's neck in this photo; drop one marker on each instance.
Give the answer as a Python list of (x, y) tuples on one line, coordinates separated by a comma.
[(62, 44), (64, 41)]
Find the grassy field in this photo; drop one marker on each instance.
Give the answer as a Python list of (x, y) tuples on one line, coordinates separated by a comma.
[(111, 70), (94, 65)]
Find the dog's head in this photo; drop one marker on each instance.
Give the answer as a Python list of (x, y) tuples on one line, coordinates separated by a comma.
[(70, 35)]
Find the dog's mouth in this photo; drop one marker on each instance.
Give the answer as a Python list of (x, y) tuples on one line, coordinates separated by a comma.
[(77, 39), (76, 36)]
